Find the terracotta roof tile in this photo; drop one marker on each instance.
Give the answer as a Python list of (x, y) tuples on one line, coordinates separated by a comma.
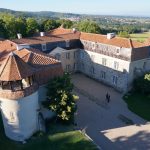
[(116, 41), (14, 68), (6, 47), (52, 36), (36, 58)]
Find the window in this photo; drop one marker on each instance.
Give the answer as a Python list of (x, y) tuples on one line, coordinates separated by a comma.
[(116, 65), (118, 51), (115, 80), (104, 61), (92, 57), (92, 70), (67, 55), (67, 68), (82, 66), (75, 66), (43, 47), (57, 56), (12, 118), (68, 43), (103, 74), (144, 65), (82, 55), (75, 54)]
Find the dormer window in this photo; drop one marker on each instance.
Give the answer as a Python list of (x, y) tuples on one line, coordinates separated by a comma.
[(118, 51), (67, 43), (43, 47)]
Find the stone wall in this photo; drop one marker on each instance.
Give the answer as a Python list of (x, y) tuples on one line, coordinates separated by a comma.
[(109, 50), (91, 65)]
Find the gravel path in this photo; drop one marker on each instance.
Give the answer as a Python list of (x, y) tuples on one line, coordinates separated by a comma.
[(100, 119)]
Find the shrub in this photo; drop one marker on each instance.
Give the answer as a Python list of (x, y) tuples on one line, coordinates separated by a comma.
[(142, 84)]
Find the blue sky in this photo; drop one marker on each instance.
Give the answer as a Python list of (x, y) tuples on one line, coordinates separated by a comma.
[(107, 7)]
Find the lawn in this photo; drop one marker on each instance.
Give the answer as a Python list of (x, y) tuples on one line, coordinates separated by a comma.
[(59, 137), (139, 104), (141, 37)]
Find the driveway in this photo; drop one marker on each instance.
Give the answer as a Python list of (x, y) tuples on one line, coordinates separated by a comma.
[(101, 121)]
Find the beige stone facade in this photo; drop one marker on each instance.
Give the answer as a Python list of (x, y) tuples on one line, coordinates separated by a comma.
[(68, 58)]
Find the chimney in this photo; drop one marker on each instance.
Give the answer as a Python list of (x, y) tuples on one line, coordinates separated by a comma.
[(19, 36), (42, 33), (74, 30), (110, 35)]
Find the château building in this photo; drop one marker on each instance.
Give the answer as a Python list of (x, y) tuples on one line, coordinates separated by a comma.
[(27, 64)]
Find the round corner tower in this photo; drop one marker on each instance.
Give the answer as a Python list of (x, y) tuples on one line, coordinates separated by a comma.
[(18, 98)]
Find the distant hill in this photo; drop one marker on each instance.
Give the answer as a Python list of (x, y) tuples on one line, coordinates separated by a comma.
[(44, 14)]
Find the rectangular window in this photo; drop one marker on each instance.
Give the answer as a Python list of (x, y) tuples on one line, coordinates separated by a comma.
[(43, 47), (68, 43), (82, 55), (116, 65), (75, 66), (67, 55), (67, 68), (104, 61), (115, 80), (75, 55), (118, 51), (103, 74)]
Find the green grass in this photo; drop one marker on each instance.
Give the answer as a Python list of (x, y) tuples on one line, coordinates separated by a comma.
[(141, 37), (59, 137), (139, 104)]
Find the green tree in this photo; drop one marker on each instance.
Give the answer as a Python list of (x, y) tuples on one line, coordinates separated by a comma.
[(3, 32), (124, 34), (21, 26), (32, 26), (48, 25), (61, 99), (66, 23), (142, 84), (10, 25), (89, 27)]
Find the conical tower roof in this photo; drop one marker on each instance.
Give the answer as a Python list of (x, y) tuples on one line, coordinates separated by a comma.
[(14, 68)]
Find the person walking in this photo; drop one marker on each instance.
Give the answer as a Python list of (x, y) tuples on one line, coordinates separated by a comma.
[(107, 98)]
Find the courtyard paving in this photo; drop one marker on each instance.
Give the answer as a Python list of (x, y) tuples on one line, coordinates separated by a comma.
[(101, 121)]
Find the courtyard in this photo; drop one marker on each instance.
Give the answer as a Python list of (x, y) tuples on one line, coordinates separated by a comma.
[(110, 125)]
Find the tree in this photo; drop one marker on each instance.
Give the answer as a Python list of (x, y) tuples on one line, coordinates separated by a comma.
[(88, 26), (21, 26), (142, 84), (61, 99), (3, 32), (32, 26), (124, 34), (48, 25), (66, 23), (10, 25)]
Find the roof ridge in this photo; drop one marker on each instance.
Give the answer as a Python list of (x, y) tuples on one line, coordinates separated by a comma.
[(6, 61), (15, 56)]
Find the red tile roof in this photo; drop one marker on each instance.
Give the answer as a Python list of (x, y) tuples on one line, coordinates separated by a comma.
[(14, 68), (6, 47), (116, 41), (36, 58), (52, 36)]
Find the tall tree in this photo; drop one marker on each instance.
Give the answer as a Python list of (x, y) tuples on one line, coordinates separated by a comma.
[(89, 26), (48, 25), (21, 26), (3, 32), (32, 26), (61, 99)]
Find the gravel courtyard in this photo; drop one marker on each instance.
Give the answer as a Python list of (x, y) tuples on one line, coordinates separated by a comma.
[(102, 121)]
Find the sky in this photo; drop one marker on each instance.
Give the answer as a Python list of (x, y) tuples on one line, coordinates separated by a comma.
[(100, 7)]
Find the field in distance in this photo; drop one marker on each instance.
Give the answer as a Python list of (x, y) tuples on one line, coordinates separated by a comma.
[(140, 37)]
